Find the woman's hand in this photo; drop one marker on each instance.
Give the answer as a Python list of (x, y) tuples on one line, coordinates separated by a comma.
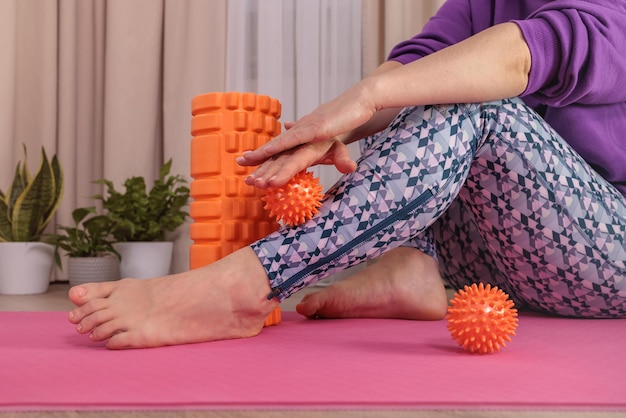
[(280, 168), (316, 138)]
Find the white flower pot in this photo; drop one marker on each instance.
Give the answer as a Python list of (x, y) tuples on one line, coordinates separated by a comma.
[(143, 260), (82, 270), (25, 267)]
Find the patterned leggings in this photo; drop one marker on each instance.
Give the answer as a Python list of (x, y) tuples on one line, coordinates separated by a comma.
[(491, 191)]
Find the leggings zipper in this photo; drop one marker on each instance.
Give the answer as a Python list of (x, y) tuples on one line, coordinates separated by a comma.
[(297, 278)]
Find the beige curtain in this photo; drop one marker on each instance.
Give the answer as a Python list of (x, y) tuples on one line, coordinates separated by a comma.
[(107, 84), (387, 22)]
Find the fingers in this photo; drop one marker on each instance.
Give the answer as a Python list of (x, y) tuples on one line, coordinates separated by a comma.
[(344, 163), (275, 174), (288, 140), (280, 169)]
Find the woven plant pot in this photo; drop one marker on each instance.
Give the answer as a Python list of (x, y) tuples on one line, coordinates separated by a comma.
[(93, 269)]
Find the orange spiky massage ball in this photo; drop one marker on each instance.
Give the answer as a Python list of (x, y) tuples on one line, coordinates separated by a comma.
[(295, 202), (481, 319)]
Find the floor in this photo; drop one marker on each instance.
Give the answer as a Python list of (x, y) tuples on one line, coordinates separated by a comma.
[(56, 300)]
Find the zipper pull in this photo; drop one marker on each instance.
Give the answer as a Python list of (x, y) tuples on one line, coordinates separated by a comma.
[(274, 293)]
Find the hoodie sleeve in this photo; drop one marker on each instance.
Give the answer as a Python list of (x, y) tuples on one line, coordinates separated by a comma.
[(577, 52)]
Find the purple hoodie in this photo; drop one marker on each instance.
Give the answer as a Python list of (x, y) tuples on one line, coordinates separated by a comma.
[(578, 75)]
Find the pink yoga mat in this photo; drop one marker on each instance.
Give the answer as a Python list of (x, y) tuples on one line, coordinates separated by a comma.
[(552, 364)]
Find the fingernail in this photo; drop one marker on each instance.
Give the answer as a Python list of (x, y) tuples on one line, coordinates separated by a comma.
[(240, 160), (242, 157), (79, 327), (71, 315)]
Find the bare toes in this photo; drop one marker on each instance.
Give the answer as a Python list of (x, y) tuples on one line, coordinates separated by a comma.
[(129, 339), (77, 315), (79, 295), (94, 320), (309, 305), (106, 330), (121, 341)]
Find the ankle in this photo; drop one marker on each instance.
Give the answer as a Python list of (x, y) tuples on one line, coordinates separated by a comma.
[(432, 300), (248, 284)]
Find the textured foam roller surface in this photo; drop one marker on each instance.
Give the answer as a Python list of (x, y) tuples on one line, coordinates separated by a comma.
[(227, 214)]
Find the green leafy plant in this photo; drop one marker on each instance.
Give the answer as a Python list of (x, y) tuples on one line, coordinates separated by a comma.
[(31, 201), (140, 215), (89, 237)]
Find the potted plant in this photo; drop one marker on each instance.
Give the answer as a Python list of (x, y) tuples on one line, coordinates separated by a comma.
[(89, 246), (26, 209), (142, 219)]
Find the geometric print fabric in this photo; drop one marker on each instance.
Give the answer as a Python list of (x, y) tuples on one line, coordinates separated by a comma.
[(488, 189), (550, 229)]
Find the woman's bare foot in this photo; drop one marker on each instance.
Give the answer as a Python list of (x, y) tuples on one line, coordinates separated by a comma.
[(404, 284), (227, 299)]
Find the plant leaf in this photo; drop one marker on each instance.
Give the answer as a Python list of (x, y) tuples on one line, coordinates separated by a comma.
[(21, 178), (5, 225), (165, 169), (140, 215), (58, 189), (16, 188), (79, 214), (90, 237), (30, 206)]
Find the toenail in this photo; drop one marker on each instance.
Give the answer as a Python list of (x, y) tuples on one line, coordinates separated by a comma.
[(79, 327)]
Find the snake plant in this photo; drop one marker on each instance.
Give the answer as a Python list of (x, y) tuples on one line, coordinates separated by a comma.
[(31, 201)]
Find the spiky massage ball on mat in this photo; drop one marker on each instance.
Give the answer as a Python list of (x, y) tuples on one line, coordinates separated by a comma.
[(295, 202), (481, 319)]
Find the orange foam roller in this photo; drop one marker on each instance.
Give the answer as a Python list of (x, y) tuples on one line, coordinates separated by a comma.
[(227, 214)]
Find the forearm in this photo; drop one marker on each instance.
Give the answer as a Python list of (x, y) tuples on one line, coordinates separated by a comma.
[(491, 65)]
